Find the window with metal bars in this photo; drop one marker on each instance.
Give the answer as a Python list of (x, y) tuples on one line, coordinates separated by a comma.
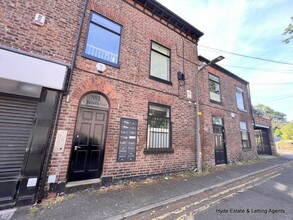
[(159, 127)]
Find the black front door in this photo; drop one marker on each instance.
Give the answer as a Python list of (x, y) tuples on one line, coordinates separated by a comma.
[(88, 148), (220, 149)]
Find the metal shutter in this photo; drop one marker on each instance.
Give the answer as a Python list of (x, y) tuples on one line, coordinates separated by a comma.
[(16, 122)]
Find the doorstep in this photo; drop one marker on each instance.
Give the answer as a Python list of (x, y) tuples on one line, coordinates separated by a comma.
[(82, 185), (221, 165)]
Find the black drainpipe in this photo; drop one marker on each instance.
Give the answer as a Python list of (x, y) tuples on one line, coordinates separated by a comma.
[(76, 47), (41, 192), (251, 108)]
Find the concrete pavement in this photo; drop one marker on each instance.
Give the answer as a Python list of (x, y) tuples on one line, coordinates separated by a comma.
[(123, 200)]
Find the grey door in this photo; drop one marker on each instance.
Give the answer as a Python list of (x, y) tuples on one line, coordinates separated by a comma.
[(17, 117)]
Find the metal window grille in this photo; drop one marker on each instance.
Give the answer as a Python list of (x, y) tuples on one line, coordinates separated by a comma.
[(158, 132)]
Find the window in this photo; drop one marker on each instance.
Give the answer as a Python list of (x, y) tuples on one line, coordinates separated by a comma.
[(244, 135), (218, 121), (159, 127), (214, 83), (103, 40), (160, 63), (239, 97)]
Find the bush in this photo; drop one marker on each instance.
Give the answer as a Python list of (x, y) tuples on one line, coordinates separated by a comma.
[(285, 143)]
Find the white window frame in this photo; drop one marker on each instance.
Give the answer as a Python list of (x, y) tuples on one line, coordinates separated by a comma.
[(244, 133), (240, 99)]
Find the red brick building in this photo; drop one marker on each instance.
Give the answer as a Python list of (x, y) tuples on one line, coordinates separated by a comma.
[(106, 92), (37, 41), (226, 123), (128, 111)]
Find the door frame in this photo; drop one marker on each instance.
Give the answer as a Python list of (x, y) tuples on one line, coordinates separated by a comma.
[(223, 136), (75, 128)]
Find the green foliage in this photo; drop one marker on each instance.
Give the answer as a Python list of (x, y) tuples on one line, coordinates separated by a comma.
[(288, 144), (277, 128), (287, 131), (289, 31), (278, 132), (33, 211), (271, 113)]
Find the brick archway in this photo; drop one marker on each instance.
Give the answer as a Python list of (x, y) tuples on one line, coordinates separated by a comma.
[(93, 85), (59, 162)]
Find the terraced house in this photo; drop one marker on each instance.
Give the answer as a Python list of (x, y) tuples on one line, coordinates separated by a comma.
[(107, 92), (97, 94), (127, 113), (227, 117)]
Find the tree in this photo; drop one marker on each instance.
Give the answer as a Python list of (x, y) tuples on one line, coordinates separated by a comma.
[(278, 132), (289, 31), (277, 128), (287, 131), (271, 113)]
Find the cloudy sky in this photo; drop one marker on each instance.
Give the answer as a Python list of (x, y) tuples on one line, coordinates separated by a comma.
[(252, 28)]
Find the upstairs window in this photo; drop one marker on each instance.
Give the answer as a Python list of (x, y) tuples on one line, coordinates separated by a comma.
[(159, 127), (214, 83), (160, 63), (244, 135), (103, 40), (240, 100)]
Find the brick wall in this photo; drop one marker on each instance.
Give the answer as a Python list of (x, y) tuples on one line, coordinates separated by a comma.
[(129, 90), (54, 40), (231, 116)]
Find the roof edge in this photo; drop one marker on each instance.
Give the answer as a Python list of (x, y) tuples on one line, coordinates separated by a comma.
[(172, 20), (223, 70)]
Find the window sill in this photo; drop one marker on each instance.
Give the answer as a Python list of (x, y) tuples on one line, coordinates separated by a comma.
[(247, 149), (84, 55), (216, 102), (161, 80), (158, 151), (242, 110)]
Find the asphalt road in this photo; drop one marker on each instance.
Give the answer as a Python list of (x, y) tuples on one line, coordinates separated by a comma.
[(265, 195), (270, 199), (253, 195)]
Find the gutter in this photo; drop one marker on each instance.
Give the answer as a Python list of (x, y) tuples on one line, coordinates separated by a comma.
[(41, 192), (251, 108), (76, 48)]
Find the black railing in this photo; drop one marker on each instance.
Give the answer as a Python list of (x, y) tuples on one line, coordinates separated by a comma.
[(158, 132)]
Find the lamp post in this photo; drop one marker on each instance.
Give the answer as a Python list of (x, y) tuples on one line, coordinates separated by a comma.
[(198, 113)]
